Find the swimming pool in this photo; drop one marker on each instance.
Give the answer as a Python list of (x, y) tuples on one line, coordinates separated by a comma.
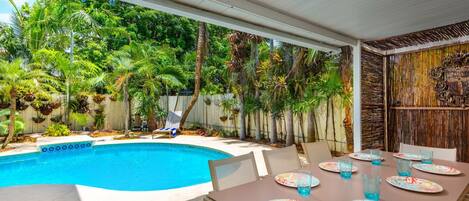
[(129, 167)]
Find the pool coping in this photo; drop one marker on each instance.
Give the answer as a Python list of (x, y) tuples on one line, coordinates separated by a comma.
[(232, 147)]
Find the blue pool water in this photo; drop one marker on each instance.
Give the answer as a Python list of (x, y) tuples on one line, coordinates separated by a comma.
[(129, 167)]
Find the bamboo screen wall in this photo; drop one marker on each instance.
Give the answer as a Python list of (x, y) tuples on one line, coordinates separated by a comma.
[(416, 116), (372, 101)]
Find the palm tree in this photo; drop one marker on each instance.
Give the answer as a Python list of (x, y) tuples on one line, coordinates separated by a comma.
[(123, 71), (14, 76), (201, 53)]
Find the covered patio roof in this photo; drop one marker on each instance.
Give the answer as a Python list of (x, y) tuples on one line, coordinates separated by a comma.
[(383, 26), (320, 24)]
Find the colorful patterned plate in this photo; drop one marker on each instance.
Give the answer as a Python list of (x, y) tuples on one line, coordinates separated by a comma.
[(362, 156), (414, 184), (333, 167), (289, 179), (436, 169), (407, 156)]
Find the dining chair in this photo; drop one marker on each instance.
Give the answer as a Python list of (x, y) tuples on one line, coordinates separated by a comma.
[(316, 152), (231, 172), (438, 153), (281, 160)]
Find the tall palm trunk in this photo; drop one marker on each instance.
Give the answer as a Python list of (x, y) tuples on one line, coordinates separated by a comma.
[(333, 124), (11, 124), (126, 109), (289, 128), (257, 114), (273, 129), (346, 76), (301, 123), (311, 129), (152, 124), (242, 119), (201, 48)]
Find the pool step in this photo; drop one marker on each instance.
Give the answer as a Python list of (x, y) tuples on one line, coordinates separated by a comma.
[(70, 143)]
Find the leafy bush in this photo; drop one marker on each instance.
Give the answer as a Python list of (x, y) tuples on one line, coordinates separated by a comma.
[(4, 122), (56, 130), (79, 118)]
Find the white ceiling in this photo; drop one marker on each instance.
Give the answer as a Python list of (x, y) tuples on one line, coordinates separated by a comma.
[(373, 19), (321, 24)]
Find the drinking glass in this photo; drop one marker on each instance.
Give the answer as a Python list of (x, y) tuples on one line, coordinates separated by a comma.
[(303, 183), (345, 168), (404, 168), (371, 186), (376, 155), (426, 156)]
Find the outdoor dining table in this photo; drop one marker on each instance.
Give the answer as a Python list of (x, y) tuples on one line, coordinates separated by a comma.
[(332, 187)]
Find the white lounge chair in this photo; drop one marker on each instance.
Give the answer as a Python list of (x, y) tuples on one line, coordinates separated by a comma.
[(171, 125), (281, 160), (317, 152), (233, 171), (438, 153)]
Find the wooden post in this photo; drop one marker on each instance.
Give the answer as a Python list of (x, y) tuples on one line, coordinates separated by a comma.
[(385, 88)]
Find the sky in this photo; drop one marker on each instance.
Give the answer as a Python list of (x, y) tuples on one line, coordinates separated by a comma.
[(6, 8)]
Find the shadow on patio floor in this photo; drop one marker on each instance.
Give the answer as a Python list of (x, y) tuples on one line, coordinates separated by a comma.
[(40, 193)]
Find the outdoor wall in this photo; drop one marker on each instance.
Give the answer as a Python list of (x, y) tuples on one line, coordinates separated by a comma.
[(416, 113), (113, 111), (372, 101), (209, 116)]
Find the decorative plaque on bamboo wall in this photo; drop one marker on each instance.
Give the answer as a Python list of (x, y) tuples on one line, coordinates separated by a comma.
[(452, 80)]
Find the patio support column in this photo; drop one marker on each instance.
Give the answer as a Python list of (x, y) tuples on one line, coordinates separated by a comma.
[(357, 129)]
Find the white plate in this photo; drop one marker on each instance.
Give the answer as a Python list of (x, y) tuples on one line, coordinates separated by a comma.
[(436, 169), (362, 156), (414, 184), (333, 167), (289, 179), (407, 156)]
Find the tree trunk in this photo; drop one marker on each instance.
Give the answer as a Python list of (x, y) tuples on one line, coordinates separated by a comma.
[(152, 124), (311, 129), (11, 125), (201, 45), (126, 110), (346, 76), (273, 129), (301, 122), (333, 124), (289, 128), (327, 119), (257, 118), (242, 119)]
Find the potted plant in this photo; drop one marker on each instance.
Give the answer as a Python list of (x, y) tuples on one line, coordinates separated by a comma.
[(56, 118), (46, 109), (98, 98), (38, 119), (36, 105), (43, 96), (55, 104), (21, 106), (30, 97), (207, 101), (223, 118), (113, 97)]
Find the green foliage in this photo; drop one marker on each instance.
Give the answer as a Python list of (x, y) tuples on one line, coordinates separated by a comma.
[(79, 118), (4, 122), (57, 130)]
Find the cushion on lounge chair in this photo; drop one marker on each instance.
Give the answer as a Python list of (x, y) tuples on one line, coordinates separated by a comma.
[(171, 124)]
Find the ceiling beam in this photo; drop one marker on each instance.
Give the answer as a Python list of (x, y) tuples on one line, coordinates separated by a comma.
[(180, 9), (278, 19)]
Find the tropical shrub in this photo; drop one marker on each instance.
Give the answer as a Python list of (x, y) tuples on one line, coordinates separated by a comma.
[(80, 119), (4, 121), (57, 130)]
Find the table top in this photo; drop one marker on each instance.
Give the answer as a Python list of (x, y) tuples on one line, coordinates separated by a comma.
[(332, 187)]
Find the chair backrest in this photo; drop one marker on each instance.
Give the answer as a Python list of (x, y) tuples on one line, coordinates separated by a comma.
[(173, 120), (233, 171), (317, 152), (438, 153), (281, 160)]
